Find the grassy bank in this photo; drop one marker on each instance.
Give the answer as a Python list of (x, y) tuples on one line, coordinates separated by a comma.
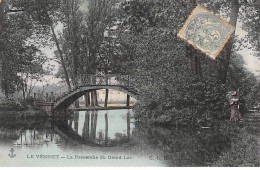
[(232, 144), (11, 108), (30, 112), (245, 142)]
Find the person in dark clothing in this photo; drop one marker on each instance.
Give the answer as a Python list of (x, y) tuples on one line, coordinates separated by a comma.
[(234, 103)]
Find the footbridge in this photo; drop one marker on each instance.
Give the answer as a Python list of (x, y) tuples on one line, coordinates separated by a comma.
[(87, 83)]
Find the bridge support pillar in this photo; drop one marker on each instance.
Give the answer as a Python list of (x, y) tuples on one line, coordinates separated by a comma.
[(87, 99), (106, 98), (92, 99), (95, 98), (128, 100)]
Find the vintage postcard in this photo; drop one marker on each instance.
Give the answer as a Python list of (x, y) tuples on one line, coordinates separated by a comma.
[(116, 83)]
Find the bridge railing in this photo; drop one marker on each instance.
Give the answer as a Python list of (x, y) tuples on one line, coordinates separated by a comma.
[(46, 97), (89, 80), (110, 79)]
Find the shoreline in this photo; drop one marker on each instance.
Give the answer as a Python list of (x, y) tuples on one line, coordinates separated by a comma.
[(30, 112), (101, 108)]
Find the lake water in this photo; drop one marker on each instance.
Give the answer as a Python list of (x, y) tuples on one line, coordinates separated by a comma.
[(105, 138)]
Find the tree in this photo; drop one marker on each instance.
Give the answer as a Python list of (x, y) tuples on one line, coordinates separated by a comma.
[(250, 19), (16, 28), (33, 71), (195, 65), (159, 64), (60, 54), (227, 52)]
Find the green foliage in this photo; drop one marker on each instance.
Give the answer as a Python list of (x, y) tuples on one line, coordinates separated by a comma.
[(28, 101), (12, 105), (250, 19), (19, 58), (240, 79), (244, 151), (170, 91), (138, 38)]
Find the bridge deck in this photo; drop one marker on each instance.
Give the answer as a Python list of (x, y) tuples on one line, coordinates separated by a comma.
[(88, 83)]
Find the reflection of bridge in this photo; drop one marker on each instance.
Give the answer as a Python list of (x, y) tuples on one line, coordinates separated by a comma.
[(90, 133), (87, 83)]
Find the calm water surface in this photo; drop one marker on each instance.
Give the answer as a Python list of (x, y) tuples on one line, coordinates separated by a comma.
[(105, 138)]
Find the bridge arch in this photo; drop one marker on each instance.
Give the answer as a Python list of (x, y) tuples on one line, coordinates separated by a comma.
[(70, 97)]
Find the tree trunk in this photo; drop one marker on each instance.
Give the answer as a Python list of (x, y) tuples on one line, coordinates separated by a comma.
[(24, 91), (106, 98), (198, 66), (195, 65), (4, 80), (227, 51), (6, 91), (1, 57), (61, 57), (1, 16)]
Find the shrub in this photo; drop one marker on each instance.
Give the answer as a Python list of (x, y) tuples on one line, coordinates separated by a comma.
[(11, 105), (29, 101)]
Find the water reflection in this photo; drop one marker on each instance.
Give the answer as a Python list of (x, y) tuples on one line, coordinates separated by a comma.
[(111, 133), (31, 133), (101, 127), (35, 137)]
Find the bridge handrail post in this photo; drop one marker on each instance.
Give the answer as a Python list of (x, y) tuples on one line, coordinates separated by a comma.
[(97, 79), (103, 79), (52, 97), (119, 80), (109, 82)]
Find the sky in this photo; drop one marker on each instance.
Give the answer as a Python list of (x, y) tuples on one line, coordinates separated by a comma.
[(252, 62)]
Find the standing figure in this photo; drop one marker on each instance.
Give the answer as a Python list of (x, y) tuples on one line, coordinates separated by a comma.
[(234, 103)]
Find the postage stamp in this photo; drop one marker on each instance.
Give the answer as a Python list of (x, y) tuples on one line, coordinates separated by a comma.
[(206, 31)]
